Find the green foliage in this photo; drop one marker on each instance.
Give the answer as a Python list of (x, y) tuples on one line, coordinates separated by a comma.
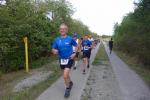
[(21, 18), (133, 34)]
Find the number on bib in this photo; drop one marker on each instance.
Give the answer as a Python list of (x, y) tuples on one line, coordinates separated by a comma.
[(64, 61), (85, 48)]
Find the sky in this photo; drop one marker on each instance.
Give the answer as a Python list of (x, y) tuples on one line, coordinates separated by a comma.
[(101, 15)]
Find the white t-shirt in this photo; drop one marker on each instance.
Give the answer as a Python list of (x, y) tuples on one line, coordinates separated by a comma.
[(91, 39), (77, 41)]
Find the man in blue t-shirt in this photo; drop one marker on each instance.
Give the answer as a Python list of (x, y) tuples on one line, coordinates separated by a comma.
[(86, 49), (63, 47)]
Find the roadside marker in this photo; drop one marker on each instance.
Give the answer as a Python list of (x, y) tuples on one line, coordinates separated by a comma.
[(26, 53)]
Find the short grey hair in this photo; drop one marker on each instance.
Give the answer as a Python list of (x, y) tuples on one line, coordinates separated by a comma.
[(63, 24)]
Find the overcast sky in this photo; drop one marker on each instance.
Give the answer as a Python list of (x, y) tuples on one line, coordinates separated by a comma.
[(100, 15)]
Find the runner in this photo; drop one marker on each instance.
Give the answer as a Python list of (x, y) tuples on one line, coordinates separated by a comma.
[(75, 37), (91, 40), (81, 48), (111, 45), (87, 45), (63, 47)]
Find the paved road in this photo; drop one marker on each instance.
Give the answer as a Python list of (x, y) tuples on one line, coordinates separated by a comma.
[(131, 85), (56, 91)]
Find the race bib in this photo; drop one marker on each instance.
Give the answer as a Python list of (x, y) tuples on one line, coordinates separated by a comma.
[(64, 61), (86, 48)]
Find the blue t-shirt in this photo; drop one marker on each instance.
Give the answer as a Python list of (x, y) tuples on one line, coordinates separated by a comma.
[(86, 43), (64, 46)]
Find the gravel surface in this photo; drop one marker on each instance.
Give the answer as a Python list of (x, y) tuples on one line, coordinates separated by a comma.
[(102, 84), (32, 80)]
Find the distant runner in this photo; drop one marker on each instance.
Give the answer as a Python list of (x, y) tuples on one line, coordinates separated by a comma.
[(92, 41), (63, 47), (111, 45), (86, 45), (75, 37), (91, 38)]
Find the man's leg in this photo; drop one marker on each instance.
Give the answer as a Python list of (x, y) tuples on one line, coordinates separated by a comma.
[(88, 60), (66, 76), (75, 63), (68, 82), (110, 50), (85, 63)]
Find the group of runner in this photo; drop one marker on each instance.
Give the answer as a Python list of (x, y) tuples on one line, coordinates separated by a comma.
[(68, 49)]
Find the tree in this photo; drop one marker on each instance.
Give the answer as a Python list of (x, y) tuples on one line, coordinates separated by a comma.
[(133, 34), (21, 18)]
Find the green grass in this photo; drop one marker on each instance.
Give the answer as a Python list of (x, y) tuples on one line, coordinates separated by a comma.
[(139, 68), (100, 56), (8, 81), (42, 61)]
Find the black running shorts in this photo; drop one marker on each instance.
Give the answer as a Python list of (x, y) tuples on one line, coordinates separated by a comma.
[(69, 65), (86, 54)]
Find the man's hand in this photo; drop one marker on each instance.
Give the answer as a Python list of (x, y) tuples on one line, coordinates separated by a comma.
[(73, 56), (55, 51)]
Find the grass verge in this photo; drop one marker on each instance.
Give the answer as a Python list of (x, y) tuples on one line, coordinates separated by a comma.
[(101, 59), (8, 81), (140, 69), (100, 56)]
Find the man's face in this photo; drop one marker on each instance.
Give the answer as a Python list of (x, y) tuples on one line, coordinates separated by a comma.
[(63, 30), (85, 37), (75, 38)]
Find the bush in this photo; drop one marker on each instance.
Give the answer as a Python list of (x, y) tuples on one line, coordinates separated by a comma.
[(132, 36)]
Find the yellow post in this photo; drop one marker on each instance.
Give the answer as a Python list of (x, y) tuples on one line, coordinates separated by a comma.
[(26, 53)]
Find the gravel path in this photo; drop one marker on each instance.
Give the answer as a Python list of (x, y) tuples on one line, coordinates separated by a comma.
[(102, 84)]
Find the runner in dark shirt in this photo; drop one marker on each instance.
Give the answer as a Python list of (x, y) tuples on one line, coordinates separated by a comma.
[(111, 45)]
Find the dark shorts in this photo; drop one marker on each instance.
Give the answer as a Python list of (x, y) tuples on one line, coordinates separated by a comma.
[(69, 65), (86, 54)]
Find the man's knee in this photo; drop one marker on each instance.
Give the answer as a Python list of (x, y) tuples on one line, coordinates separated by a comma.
[(66, 73), (66, 77)]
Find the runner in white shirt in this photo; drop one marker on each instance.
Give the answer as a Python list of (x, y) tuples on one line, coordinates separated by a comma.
[(75, 37), (91, 40)]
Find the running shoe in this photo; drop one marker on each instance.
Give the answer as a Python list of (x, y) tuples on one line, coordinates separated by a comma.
[(88, 66), (74, 68), (84, 71), (67, 93)]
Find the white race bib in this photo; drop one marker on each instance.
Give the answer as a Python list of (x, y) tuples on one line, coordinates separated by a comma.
[(64, 61), (85, 48)]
